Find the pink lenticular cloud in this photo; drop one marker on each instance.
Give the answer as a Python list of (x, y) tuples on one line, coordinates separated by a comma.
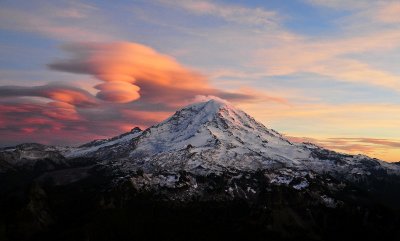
[(125, 67), (118, 91), (57, 92)]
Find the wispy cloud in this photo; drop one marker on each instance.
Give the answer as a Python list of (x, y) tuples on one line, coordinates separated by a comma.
[(377, 147), (388, 13), (71, 21), (342, 4), (228, 12), (278, 51), (364, 15), (332, 58)]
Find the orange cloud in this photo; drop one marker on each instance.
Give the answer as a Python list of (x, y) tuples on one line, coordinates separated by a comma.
[(61, 93), (145, 116), (118, 91), (385, 149), (126, 66), (61, 111)]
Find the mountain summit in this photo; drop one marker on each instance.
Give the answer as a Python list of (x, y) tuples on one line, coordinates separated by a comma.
[(215, 134)]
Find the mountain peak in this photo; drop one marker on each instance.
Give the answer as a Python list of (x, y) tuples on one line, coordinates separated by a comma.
[(210, 104), (217, 133), (210, 98), (202, 110)]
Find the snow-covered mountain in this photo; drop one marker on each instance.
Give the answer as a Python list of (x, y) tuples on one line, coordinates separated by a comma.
[(213, 136), (210, 136)]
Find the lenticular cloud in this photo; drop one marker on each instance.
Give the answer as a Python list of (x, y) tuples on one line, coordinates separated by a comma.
[(125, 67)]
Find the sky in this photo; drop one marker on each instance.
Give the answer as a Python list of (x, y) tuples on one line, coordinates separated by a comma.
[(321, 71)]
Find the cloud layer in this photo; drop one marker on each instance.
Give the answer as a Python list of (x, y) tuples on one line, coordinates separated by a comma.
[(60, 93), (375, 147)]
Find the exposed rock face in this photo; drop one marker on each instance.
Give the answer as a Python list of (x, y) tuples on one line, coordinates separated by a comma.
[(210, 171)]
